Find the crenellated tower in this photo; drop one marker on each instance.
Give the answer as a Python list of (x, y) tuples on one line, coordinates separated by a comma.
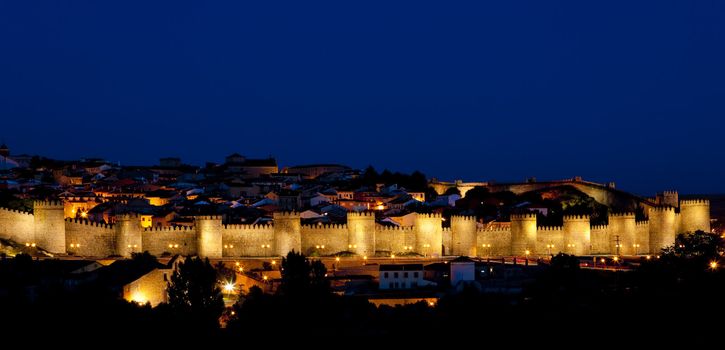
[(694, 215), (429, 234), (49, 226), (622, 229), (128, 235), (287, 233), (463, 231), (577, 234), (662, 227), (361, 232), (523, 233), (209, 235)]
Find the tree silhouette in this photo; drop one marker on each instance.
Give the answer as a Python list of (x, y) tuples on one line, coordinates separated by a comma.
[(194, 292), (302, 276)]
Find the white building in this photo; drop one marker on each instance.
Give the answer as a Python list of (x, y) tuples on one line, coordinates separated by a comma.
[(402, 276)]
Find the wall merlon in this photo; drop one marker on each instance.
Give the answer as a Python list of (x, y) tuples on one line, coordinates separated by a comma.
[(170, 229), (665, 208), (694, 202), (431, 215), (622, 215), (286, 214), (208, 217), (463, 218), (525, 216), (366, 213), (48, 203), (576, 217), (17, 211)]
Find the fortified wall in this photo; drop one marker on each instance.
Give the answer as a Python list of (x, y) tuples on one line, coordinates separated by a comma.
[(47, 228)]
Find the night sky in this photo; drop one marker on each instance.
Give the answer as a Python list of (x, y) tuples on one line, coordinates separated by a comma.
[(624, 91)]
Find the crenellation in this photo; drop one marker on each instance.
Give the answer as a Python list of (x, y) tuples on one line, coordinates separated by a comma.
[(361, 235)]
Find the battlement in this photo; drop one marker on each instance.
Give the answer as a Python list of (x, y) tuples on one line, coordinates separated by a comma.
[(48, 204), (671, 192), (694, 202), (17, 211), (286, 215), (576, 217), (599, 227), (494, 229), (170, 229), (430, 215), (524, 216), (549, 228), (360, 214), (393, 228), (446, 229), (622, 215), (665, 208), (208, 217), (463, 218), (267, 226), (324, 226), (642, 223), (88, 223)]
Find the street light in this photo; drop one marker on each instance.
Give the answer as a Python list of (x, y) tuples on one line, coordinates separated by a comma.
[(635, 248), (550, 247), (488, 250)]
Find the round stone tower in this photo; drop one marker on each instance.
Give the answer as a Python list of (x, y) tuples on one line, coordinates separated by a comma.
[(49, 226), (463, 231), (361, 233), (622, 231), (577, 234), (694, 215), (429, 234), (209, 235), (287, 233), (128, 235), (523, 234), (662, 228)]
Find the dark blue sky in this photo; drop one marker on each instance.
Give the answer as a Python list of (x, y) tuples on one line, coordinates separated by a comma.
[(629, 91)]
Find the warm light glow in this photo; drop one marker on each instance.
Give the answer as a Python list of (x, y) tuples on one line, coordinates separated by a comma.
[(616, 258), (365, 257), (171, 245), (233, 313), (713, 265), (236, 263), (392, 256), (139, 297), (528, 252), (32, 245), (229, 287), (84, 215), (648, 257), (603, 260), (274, 262), (264, 278), (430, 303), (337, 258)]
